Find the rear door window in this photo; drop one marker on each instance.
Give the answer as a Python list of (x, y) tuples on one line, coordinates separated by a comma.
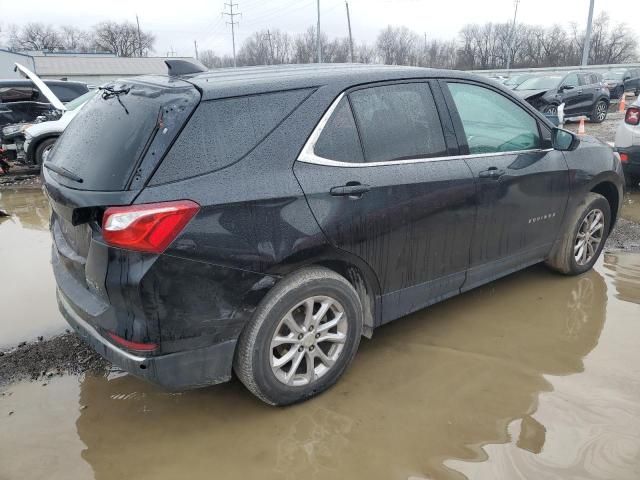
[(339, 139), (398, 122), (492, 123)]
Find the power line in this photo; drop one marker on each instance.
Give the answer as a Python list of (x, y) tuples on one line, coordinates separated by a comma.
[(231, 14)]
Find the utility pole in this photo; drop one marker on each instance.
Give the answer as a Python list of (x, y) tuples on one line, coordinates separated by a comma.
[(231, 14), (350, 37), (318, 46), (139, 37), (268, 35), (195, 46), (512, 37), (587, 37), (171, 53)]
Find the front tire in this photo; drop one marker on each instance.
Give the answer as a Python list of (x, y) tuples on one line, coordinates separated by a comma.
[(585, 235), (302, 337), (600, 110)]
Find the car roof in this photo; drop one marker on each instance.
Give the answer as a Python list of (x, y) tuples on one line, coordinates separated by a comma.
[(25, 82), (227, 82)]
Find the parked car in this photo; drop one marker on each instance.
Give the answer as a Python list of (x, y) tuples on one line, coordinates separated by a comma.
[(269, 217), (39, 138), (581, 92), (627, 144), (22, 101), (622, 80)]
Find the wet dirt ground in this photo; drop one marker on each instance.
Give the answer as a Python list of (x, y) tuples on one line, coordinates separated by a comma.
[(533, 376)]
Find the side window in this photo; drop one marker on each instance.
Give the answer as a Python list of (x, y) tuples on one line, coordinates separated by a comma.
[(63, 93), (398, 122), (221, 132), (571, 80), (492, 122), (339, 138)]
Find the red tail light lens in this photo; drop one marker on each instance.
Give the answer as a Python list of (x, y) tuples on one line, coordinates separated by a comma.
[(633, 116), (624, 158), (149, 227)]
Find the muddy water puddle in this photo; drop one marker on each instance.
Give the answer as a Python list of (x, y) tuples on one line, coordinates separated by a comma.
[(28, 306), (631, 206), (534, 376)]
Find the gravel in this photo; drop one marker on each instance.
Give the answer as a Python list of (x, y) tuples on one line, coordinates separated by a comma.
[(64, 354)]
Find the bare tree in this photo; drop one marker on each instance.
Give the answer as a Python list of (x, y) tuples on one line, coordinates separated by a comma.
[(122, 39), (398, 46), (266, 47), (210, 60), (34, 36), (74, 39)]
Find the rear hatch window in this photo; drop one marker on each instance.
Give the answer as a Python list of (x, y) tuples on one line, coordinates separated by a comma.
[(102, 146)]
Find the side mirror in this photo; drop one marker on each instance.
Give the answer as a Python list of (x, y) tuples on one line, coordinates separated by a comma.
[(564, 140), (566, 87)]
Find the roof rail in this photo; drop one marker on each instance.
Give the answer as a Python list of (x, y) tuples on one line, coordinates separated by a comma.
[(183, 67)]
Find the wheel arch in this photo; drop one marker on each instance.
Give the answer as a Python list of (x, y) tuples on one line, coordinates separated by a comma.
[(610, 192), (35, 143)]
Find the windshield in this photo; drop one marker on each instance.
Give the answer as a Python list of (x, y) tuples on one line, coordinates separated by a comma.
[(613, 75), (81, 100), (540, 83)]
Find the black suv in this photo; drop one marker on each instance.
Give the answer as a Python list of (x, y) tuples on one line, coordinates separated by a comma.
[(583, 93), (262, 220), (622, 80)]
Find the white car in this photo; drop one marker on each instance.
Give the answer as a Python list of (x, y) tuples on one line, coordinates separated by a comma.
[(627, 144), (41, 137)]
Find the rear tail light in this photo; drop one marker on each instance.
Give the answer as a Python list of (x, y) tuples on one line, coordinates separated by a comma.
[(149, 227), (624, 158), (632, 116)]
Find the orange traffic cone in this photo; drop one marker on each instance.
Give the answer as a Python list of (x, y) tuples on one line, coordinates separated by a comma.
[(581, 127), (622, 105)]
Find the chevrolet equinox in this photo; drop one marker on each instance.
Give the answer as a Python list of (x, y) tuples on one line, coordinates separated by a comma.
[(262, 220)]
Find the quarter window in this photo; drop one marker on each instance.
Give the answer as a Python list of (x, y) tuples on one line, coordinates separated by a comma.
[(398, 122), (339, 138), (492, 122)]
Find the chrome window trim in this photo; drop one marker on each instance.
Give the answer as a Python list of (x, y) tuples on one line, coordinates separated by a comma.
[(307, 155)]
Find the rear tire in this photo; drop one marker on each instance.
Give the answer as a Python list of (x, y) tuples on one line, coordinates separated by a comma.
[(567, 255), (600, 110), (43, 149), (267, 340)]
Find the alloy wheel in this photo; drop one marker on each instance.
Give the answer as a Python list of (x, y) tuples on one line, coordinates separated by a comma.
[(589, 237), (308, 341), (601, 111)]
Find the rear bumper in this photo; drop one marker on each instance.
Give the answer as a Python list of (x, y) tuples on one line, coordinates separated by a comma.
[(173, 371)]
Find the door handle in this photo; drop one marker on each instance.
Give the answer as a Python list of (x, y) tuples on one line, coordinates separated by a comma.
[(350, 190), (492, 172), (579, 91)]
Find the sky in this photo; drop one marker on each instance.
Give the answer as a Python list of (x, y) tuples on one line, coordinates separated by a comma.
[(177, 24)]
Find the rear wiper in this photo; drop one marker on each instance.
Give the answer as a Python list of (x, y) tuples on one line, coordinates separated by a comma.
[(62, 171), (110, 92)]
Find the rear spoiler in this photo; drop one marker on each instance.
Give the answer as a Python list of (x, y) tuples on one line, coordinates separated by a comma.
[(183, 67)]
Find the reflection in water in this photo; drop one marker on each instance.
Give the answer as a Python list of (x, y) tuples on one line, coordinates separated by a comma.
[(27, 287), (625, 270)]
